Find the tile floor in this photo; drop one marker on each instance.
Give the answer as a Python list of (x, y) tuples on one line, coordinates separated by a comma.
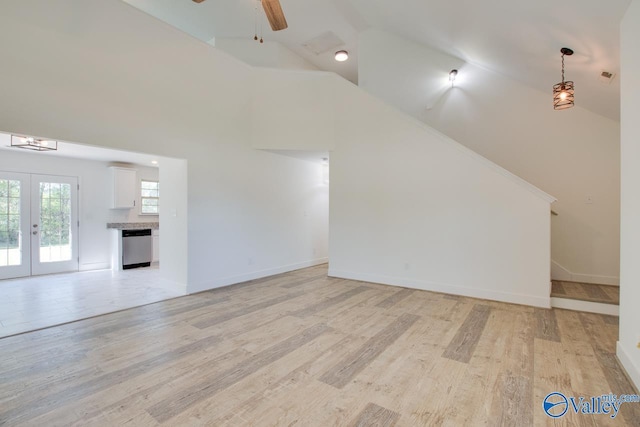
[(31, 303)]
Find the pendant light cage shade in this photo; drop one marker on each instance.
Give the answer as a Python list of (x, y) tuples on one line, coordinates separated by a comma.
[(563, 95), (563, 92)]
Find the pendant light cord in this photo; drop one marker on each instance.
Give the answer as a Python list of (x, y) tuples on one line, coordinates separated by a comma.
[(255, 21)]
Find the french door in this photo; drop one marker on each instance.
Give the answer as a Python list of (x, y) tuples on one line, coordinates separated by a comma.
[(38, 224), (15, 241)]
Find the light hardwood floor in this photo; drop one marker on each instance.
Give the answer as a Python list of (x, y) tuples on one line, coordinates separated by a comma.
[(605, 294), (303, 349)]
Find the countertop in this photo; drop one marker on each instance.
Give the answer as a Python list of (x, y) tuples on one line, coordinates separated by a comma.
[(133, 225)]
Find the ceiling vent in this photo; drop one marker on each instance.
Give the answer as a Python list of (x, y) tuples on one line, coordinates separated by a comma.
[(606, 77), (325, 42)]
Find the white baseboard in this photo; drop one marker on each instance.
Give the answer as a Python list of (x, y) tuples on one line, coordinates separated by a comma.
[(231, 280), (588, 306), (558, 272), (600, 280), (633, 371), (94, 266), (535, 301)]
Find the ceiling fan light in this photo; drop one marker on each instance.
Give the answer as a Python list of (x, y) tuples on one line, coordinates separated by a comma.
[(342, 55)]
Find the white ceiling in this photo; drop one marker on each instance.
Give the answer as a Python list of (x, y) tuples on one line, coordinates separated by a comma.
[(108, 155), (309, 156), (518, 39), (88, 152)]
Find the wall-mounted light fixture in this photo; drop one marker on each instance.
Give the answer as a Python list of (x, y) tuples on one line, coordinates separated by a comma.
[(563, 91), (325, 170), (31, 143), (341, 55), (452, 76)]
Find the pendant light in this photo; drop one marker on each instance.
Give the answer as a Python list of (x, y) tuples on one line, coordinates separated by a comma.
[(563, 91)]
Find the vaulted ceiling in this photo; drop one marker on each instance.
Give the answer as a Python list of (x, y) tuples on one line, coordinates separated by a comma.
[(518, 39)]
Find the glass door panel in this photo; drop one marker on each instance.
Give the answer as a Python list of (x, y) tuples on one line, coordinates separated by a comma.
[(55, 224), (14, 225)]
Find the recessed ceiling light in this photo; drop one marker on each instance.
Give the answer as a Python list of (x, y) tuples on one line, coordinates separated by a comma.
[(342, 55), (154, 162)]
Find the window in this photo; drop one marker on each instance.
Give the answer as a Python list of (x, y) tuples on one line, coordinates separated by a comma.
[(149, 197)]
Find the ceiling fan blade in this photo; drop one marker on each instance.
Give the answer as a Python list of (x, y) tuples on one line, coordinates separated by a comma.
[(275, 15)]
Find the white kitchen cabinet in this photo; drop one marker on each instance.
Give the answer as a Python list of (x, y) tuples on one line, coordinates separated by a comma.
[(156, 246), (124, 188)]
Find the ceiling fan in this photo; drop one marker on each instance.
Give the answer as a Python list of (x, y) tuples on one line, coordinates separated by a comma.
[(274, 13)]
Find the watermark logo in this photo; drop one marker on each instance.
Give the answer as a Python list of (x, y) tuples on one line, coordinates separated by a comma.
[(556, 404)]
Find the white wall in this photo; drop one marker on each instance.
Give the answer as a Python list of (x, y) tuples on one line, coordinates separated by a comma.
[(93, 198), (408, 75), (269, 54), (173, 209), (571, 154), (293, 110), (629, 343), (401, 193), (411, 207), (123, 80), (253, 214)]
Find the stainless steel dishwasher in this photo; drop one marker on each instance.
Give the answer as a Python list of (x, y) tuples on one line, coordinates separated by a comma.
[(137, 248)]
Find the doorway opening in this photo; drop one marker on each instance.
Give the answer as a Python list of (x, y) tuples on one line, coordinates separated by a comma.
[(55, 208)]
